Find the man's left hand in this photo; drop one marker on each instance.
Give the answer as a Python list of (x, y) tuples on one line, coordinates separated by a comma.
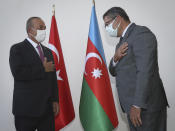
[(55, 108), (135, 116)]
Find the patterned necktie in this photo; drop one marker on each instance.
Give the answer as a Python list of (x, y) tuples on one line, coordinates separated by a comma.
[(40, 53)]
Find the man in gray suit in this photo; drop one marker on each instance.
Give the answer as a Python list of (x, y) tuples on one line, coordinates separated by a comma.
[(135, 67)]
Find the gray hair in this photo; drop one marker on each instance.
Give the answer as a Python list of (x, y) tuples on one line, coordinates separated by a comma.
[(114, 11), (29, 22)]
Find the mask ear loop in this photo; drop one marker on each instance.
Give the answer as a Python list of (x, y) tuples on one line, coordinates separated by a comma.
[(114, 21), (118, 23)]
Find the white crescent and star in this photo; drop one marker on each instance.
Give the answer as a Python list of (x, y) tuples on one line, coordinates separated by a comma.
[(54, 49), (96, 72)]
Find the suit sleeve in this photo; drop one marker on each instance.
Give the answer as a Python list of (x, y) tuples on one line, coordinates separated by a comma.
[(54, 82), (22, 71), (144, 48), (55, 91)]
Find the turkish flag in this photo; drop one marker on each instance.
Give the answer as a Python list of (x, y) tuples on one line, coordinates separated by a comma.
[(66, 112)]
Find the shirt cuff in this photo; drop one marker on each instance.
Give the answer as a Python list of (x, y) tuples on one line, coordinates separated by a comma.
[(114, 63), (136, 106)]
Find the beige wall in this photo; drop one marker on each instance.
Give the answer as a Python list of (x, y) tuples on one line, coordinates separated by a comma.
[(73, 17)]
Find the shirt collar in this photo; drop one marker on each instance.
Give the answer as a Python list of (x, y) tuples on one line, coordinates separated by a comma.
[(34, 44), (124, 32)]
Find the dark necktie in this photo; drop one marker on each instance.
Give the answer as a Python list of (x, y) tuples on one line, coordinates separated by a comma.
[(121, 38), (120, 41), (40, 53)]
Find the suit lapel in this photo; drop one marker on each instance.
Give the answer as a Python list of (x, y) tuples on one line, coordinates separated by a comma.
[(126, 35), (47, 53), (32, 50), (130, 29), (128, 32)]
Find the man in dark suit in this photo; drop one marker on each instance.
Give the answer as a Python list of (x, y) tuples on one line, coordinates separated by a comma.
[(135, 67), (35, 98)]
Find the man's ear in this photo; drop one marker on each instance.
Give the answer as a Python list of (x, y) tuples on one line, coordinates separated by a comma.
[(118, 18), (29, 31)]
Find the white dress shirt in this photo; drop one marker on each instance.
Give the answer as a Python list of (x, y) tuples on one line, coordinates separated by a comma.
[(34, 44)]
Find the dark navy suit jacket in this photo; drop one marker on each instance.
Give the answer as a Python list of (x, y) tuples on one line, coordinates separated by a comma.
[(34, 89)]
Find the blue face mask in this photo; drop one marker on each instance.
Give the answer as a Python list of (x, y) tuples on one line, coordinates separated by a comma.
[(111, 31)]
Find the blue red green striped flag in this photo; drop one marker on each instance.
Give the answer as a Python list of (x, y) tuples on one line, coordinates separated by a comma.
[(97, 109)]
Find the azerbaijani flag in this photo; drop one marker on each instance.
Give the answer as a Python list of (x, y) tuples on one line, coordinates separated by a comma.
[(97, 109)]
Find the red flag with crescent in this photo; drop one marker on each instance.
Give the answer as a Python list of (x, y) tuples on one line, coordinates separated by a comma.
[(66, 112)]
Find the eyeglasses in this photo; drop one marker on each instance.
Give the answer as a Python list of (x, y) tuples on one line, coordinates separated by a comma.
[(109, 22)]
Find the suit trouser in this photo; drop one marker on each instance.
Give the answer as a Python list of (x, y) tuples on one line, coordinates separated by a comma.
[(45, 122), (151, 121)]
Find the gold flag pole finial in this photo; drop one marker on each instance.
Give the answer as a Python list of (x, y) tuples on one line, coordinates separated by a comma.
[(53, 9), (94, 2)]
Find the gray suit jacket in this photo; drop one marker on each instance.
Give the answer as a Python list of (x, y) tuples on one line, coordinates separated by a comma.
[(137, 74)]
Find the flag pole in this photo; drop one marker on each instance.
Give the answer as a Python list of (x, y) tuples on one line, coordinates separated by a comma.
[(53, 11), (94, 2)]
